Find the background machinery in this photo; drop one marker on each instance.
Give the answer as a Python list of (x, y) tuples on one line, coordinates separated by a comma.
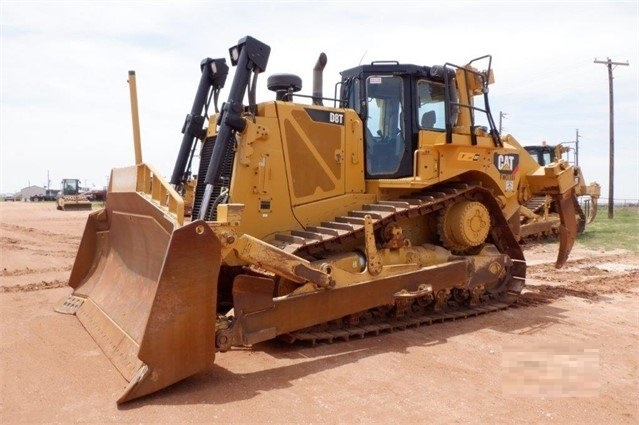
[(49, 195), (70, 198), (539, 214), (397, 206)]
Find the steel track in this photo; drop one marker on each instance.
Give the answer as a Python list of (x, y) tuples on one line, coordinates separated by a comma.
[(392, 324), (318, 239)]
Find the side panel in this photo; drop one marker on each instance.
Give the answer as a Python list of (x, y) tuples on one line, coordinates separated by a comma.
[(259, 178), (313, 143), (323, 148), (354, 153), (497, 168), (292, 157)]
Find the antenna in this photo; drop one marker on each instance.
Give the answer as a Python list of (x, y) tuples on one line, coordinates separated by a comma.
[(360, 61)]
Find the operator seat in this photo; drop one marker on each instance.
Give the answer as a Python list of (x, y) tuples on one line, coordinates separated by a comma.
[(428, 120)]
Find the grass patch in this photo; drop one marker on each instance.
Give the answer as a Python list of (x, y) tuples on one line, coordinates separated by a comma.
[(620, 232)]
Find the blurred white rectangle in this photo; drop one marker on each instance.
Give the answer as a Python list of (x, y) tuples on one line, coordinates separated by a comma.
[(551, 370)]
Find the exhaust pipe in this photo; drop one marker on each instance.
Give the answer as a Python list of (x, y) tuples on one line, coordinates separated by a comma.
[(317, 79)]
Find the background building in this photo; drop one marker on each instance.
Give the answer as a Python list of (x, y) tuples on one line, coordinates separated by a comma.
[(30, 191)]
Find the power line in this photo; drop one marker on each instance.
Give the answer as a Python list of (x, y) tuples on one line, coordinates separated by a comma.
[(609, 63), (502, 115), (576, 148)]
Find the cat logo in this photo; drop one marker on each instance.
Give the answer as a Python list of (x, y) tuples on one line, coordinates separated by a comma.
[(507, 163)]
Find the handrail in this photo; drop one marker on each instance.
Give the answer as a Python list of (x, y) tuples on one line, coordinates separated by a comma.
[(143, 178), (151, 183), (484, 76)]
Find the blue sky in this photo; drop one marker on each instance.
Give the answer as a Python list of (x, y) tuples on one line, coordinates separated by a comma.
[(64, 101)]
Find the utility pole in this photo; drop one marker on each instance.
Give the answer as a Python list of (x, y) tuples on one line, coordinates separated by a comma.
[(577, 148), (611, 171), (501, 116)]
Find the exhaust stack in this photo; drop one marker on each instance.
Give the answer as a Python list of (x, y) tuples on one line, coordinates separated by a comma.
[(317, 79)]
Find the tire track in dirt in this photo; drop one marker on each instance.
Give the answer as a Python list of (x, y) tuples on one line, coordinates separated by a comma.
[(27, 270), (588, 278), (31, 233), (34, 259), (56, 283), (42, 252)]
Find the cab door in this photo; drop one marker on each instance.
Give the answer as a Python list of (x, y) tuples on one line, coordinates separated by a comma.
[(388, 149)]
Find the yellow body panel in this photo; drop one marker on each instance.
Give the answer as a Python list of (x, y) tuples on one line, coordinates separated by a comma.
[(301, 171), (259, 178), (291, 163)]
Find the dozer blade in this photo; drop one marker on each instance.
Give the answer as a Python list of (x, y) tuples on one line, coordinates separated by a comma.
[(568, 226), (77, 207), (74, 205), (145, 289)]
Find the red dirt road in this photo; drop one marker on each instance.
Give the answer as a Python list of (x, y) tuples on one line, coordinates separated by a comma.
[(568, 354)]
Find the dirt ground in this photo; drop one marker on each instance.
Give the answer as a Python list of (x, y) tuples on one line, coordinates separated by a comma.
[(568, 353)]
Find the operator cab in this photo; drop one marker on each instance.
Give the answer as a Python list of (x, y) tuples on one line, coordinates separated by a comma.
[(395, 102), (543, 154), (70, 186)]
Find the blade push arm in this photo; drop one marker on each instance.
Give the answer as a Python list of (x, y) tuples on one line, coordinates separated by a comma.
[(250, 56)]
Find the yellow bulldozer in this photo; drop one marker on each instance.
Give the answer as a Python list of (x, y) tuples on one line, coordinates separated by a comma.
[(539, 214), (398, 205)]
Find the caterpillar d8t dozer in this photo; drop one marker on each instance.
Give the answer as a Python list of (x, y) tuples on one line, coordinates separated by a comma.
[(397, 206), (540, 214)]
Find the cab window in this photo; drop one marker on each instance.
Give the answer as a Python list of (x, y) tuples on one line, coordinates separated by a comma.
[(385, 135), (431, 105), (354, 96)]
